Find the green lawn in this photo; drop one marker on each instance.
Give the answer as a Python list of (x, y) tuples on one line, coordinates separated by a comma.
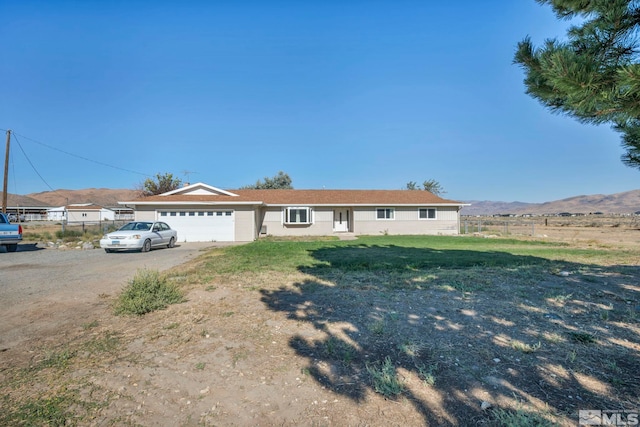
[(401, 253)]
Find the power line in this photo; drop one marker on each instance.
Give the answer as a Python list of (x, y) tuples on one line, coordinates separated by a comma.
[(32, 166), (81, 157)]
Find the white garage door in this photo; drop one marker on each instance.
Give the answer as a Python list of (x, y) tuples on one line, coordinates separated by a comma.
[(201, 225)]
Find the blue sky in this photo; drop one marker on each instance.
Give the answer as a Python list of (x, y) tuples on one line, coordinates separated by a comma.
[(338, 94)]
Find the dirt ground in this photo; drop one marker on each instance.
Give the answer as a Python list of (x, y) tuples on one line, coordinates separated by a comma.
[(299, 350)]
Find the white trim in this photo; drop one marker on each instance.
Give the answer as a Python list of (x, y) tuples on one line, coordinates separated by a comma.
[(196, 185), (435, 217), (368, 204), (286, 210), (391, 209), (186, 203)]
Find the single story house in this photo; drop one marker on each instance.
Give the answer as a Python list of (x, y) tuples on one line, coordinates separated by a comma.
[(57, 214), (202, 213), (88, 212)]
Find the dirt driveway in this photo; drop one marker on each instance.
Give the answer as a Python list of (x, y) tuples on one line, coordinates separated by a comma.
[(43, 290)]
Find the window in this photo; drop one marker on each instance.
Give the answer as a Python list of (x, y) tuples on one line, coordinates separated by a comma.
[(173, 213), (200, 213), (427, 213), (297, 216), (385, 213), (163, 214)]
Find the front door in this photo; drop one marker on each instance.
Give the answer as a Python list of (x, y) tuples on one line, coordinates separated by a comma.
[(341, 220)]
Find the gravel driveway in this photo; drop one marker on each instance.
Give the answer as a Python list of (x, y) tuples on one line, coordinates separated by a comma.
[(43, 290)]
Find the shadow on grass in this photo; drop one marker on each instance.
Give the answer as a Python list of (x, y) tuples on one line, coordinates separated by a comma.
[(448, 329)]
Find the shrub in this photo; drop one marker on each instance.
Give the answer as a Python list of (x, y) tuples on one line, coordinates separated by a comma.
[(68, 234), (385, 379), (147, 291)]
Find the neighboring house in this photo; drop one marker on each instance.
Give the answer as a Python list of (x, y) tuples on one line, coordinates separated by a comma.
[(200, 212), (57, 214), (88, 212)]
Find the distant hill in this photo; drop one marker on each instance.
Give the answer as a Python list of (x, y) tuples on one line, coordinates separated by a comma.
[(17, 200), (619, 203), (100, 196)]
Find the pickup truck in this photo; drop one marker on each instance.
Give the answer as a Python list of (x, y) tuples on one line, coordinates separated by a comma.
[(10, 234)]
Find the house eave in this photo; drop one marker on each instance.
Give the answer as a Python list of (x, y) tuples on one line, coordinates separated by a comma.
[(256, 203), (190, 203), (363, 204)]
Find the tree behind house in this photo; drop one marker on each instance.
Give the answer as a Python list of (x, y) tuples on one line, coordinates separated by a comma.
[(430, 185), (162, 184), (281, 181)]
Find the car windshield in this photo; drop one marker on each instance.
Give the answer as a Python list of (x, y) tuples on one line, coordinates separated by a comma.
[(143, 226)]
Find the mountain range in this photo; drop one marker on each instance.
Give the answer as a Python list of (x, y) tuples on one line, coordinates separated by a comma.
[(619, 203), (100, 196)]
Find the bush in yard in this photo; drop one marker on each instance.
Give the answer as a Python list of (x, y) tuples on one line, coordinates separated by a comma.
[(68, 234), (147, 291)]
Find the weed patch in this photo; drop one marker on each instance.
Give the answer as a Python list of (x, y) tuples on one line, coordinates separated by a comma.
[(582, 337), (148, 291), (385, 378)]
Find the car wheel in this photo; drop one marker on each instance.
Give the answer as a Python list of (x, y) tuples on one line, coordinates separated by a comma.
[(146, 246), (108, 251), (12, 248), (172, 243)]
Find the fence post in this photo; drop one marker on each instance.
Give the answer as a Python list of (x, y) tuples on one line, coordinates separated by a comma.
[(533, 228)]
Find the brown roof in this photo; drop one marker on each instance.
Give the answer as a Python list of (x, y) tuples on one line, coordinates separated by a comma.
[(311, 197)]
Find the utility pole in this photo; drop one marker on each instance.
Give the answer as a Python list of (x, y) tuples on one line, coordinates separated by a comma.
[(6, 174)]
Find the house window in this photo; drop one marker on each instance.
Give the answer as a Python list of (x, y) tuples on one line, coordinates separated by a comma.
[(297, 216), (163, 214), (385, 213), (173, 213), (427, 213), (200, 213)]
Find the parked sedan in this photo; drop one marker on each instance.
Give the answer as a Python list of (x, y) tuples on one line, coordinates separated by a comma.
[(139, 235)]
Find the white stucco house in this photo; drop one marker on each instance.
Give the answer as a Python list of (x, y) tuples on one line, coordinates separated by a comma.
[(88, 212), (201, 213), (57, 214)]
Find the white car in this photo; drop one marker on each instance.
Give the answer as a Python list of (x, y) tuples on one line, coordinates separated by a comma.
[(139, 235)]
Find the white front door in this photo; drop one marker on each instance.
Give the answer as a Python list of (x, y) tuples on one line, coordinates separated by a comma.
[(341, 220)]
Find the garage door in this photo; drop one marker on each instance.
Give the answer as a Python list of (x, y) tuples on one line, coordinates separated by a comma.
[(201, 225)]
